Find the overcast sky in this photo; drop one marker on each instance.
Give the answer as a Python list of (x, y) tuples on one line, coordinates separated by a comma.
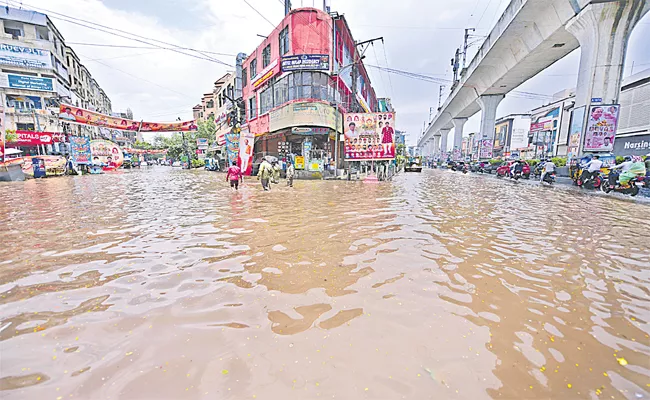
[(420, 36)]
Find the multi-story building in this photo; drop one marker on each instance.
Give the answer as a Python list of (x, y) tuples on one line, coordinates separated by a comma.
[(298, 82), (216, 106), (511, 135), (38, 72)]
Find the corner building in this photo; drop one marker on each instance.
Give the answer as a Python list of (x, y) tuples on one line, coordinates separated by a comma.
[(297, 84)]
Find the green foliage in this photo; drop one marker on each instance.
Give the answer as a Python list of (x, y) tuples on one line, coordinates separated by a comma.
[(11, 136), (559, 161), (532, 163), (494, 161), (619, 159), (142, 145), (207, 130), (198, 163), (400, 149)]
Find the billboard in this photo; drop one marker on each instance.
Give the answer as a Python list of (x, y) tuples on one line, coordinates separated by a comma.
[(80, 150), (25, 57), (29, 138), (16, 81), (632, 145), (2, 134), (232, 146), (302, 114), (369, 136), (601, 128), (73, 114), (24, 102), (575, 130), (306, 62), (485, 151), (106, 152)]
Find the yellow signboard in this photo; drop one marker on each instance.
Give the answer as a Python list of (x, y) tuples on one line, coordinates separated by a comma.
[(300, 162), (303, 114)]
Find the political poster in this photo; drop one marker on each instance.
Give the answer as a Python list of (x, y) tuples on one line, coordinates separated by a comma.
[(106, 153), (485, 151), (369, 136), (232, 146), (601, 128), (68, 113), (2, 134), (80, 150), (246, 144)]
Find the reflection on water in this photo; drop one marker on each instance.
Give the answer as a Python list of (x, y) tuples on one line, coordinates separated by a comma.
[(164, 284)]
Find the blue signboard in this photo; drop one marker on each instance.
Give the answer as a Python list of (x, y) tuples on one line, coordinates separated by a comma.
[(30, 82), (596, 99), (306, 62), (80, 150)]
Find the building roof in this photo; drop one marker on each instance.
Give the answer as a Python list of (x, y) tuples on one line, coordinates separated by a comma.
[(635, 79)]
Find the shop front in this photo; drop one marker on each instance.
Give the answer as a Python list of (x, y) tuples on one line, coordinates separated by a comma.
[(40, 143), (632, 145)]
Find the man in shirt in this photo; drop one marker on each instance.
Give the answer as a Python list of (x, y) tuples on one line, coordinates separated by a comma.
[(549, 168), (592, 168), (623, 167)]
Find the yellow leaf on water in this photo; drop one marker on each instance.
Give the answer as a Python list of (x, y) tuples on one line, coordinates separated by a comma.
[(622, 361), (224, 371), (568, 385), (129, 353)]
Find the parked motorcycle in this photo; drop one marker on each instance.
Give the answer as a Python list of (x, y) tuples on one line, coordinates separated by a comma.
[(632, 188), (549, 178)]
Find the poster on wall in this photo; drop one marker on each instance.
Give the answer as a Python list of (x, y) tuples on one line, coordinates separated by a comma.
[(486, 149), (25, 57), (106, 153), (80, 150), (82, 116), (246, 144), (232, 146), (369, 136), (24, 102), (601, 128)]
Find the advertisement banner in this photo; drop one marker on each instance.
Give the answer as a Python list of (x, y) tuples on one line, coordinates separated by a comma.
[(106, 153), (246, 143), (299, 163), (15, 81), (232, 146), (25, 57), (306, 62), (302, 114), (26, 103), (601, 128), (632, 145), (486, 149), (28, 138), (78, 115), (80, 150), (369, 136), (202, 143)]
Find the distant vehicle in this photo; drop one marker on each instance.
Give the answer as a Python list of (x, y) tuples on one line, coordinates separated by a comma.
[(414, 164), (176, 164), (504, 169)]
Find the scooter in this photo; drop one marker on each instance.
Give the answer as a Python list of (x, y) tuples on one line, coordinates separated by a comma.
[(632, 188), (549, 178), (587, 181)]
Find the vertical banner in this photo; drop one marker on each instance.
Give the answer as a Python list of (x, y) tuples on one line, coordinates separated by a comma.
[(601, 128), (246, 144), (2, 134), (575, 131), (369, 136), (486, 149), (232, 146), (80, 150)]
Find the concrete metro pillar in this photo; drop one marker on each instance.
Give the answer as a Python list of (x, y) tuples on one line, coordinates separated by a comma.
[(444, 135), (436, 146), (488, 104), (603, 30), (459, 124)]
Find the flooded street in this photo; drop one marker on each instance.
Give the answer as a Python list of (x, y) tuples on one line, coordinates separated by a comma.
[(163, 284)]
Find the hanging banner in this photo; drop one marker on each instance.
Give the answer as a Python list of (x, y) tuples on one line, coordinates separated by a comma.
[(369, 136), (29, 138), (246, 144), (2, 134), (80, 150), (601, 128), (575, 131), (25, 57), (78, 115), (486, 149), (106, 153), (232, 146)]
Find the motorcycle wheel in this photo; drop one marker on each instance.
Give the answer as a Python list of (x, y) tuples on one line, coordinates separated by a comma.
[(597, 182), (605, 188), (579, 182), (634, 190)]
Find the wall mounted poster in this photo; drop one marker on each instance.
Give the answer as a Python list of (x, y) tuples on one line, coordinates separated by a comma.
[(369, 136)]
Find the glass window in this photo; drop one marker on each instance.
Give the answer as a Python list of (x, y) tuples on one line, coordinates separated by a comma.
[(284, 41), (252, 108), (253, 69), (266, 56), (266, 100), (244, 77)]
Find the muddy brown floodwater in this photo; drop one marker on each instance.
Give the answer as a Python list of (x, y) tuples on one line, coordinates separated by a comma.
[(164, 284)]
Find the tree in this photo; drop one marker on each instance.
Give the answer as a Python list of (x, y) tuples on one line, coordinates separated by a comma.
[(142, 145)]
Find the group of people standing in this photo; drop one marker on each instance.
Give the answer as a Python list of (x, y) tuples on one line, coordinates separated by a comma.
[(269, 172)]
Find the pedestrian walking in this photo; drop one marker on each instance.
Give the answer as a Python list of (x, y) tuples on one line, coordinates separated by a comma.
[(275, 177), (264, 174), (234, 175), (291, 172)]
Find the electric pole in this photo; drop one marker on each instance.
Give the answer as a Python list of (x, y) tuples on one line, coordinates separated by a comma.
[(442, 87), (455, 64), (466, 45), (358, 56)]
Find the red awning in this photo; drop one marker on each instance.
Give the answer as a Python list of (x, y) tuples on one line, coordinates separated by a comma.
[(28, 138)]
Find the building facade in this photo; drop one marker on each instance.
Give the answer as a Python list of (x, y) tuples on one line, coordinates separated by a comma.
[(297, 83), (633, 135), (38, 72), (511, 135), (216, 106)]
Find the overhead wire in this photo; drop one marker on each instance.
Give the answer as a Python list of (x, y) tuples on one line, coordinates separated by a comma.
[(390, 81), (142, 47), (259, 13)]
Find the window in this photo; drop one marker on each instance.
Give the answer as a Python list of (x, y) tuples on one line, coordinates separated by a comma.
[(284, 41), (244, 78), (266, 100), (210, 104), (42, 33), (253, 69), (231, 91), (252, 108), (15, 33), (25, 127), (266, 56)]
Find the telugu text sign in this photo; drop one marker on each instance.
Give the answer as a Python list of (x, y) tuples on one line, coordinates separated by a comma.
[(601, 128)]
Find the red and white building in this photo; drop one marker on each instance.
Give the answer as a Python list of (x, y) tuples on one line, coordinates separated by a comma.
[(293, 94)]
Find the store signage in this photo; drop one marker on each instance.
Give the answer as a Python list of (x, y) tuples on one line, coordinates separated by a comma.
[(303, 114), (28, 138), (306, 62), (596, 99), (25, 57), (15, 81), (299, 162), (632, 145), (266, 74), (310, 131), (537, 127), (80, 150), (202, 143)]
